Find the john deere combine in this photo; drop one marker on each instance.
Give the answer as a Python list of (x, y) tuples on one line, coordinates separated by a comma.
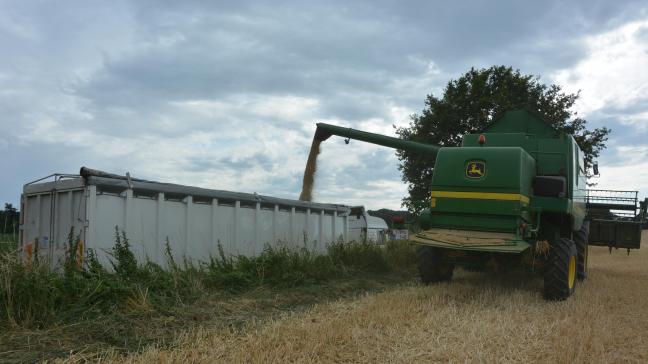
[(512, 196)]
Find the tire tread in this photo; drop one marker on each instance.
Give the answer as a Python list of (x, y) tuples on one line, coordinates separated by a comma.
[(430, 266), (556, 277), (581, 239)]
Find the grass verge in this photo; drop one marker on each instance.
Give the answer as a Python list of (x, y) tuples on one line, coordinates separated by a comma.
[(87, 308), (8, 242)]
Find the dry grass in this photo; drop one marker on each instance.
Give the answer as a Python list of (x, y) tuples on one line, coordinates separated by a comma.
[(135, 326), (477, 318)]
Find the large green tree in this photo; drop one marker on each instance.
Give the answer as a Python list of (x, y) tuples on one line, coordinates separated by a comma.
[(470, 103)]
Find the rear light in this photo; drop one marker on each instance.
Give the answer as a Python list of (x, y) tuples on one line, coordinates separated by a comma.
[(482, 139)]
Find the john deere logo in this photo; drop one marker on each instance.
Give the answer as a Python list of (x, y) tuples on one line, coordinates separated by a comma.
[(475, 169)]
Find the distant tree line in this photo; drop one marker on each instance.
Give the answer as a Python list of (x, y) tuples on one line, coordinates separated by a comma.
[(9, 219)]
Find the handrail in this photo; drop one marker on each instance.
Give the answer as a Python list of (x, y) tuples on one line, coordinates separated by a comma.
[(57, 177)]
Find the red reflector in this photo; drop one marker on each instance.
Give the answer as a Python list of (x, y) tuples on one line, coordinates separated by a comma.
[(482, 139)]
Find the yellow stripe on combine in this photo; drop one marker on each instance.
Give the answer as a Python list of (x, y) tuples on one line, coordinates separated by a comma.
[(482, 196)]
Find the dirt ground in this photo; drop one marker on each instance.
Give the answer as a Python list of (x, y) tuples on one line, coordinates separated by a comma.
[(479, 317)]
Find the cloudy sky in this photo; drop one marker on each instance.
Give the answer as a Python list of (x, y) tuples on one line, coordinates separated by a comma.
[(226, 94)]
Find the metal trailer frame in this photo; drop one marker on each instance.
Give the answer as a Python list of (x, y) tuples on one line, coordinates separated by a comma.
[(616, 218), (196, 222)]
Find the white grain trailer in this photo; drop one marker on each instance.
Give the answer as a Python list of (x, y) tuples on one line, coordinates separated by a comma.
[(193, 220)]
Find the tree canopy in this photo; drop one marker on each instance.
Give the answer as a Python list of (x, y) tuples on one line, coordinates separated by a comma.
[(472, 102)]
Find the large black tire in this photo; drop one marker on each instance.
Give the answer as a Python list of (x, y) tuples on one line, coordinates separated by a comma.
[(560, 272), (581, 239), (431, 266)]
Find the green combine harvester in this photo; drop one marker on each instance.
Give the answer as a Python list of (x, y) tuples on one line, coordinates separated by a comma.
[(513, 196)]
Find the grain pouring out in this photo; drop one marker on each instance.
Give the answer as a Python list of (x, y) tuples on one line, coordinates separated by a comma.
[(309, 173)]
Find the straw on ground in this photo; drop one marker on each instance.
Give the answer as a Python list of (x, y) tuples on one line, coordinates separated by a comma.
[(478, 317)]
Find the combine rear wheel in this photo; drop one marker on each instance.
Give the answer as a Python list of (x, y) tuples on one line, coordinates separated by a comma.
[(560, 273), (581, 238), (431, 266)]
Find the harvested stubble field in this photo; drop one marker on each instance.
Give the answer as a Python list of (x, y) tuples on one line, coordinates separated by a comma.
[(477, 318)]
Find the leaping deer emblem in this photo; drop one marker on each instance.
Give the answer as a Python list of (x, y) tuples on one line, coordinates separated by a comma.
[(475, 170)]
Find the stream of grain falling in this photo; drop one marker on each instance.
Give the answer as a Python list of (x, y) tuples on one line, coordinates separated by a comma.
[(309, 172)]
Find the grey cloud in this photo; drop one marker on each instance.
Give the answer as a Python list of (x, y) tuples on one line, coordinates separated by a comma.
[(615, 117), (327, 51), (642, 34), (257, 160), (378, 164), (121, 69)]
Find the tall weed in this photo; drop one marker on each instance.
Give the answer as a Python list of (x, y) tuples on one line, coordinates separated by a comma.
[(33, 296)]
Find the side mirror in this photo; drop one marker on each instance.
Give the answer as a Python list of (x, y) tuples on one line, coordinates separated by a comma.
[(595, 167)]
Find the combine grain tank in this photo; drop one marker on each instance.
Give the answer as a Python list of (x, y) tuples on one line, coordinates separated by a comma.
[(194, 220)]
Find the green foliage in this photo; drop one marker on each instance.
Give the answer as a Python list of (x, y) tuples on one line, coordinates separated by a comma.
[(400, 256), (363, 256), (472, 102), (72, 255), (9, 221), (7, 244), (124, 263), (33, 296)]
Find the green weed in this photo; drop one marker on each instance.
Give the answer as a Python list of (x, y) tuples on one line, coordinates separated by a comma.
[(32, 296)]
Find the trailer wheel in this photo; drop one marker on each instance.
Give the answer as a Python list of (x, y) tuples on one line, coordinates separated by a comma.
[(560, 273), (431, 266), (581, 239)]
